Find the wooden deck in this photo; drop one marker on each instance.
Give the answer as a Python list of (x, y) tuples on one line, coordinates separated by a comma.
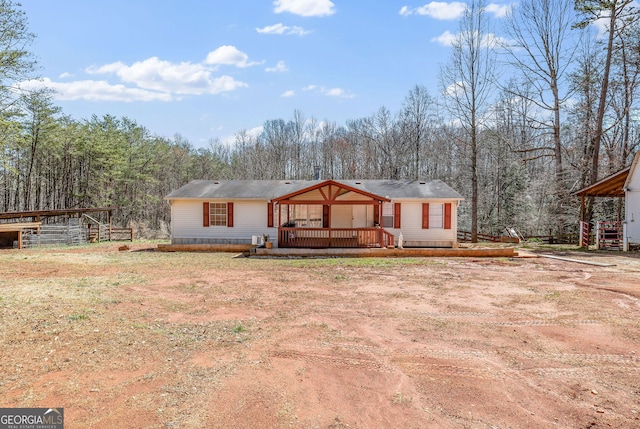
[(324, 238)]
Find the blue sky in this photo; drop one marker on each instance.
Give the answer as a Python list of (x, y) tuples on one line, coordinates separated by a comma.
[(208, 68)]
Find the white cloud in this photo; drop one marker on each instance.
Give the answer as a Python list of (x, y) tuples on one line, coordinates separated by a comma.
[(499, 10), (288, 94), (337, 92), (182, 78), (280, 67), (450, 11), (437, 10), (445, 39), (281, 29), (488, 40), (255, 131), (229, 56), (95, 90), (65, 75), (329, 92), (305, 7), (153, 79)]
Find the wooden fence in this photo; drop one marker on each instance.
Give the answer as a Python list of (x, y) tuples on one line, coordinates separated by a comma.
[(73, 233), (98, 232), (465, 236)]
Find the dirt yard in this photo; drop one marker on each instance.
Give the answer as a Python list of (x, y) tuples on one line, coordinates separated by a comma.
[(144, 339)]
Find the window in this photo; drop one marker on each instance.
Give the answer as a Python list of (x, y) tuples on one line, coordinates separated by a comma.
[(309, 216), (390, 215), (436, 216), (217, 214), (387, 215)]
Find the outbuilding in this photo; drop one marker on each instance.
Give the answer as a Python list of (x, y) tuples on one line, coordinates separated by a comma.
[(621, 234)]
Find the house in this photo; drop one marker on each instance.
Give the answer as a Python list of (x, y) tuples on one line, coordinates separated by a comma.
[(316, 213), (621, 234)]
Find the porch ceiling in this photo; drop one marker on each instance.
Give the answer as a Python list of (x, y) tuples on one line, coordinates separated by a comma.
[(611, 186)]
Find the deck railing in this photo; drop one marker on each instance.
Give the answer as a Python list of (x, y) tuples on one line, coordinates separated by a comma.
[(321, 238)]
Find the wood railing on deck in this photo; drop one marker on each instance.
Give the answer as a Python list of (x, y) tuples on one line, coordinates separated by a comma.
[(321, 238)]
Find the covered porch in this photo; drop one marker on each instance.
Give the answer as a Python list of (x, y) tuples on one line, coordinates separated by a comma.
[(606, 234), (331, 215)]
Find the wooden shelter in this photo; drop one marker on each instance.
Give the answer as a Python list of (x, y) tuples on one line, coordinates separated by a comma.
[(14, 226), (620, 233)]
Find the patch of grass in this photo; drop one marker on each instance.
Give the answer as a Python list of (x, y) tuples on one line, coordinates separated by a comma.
[(505, 260), (75, 317), (238, 329), (139, 325), (358, 262), (400, 399), (552, 295)]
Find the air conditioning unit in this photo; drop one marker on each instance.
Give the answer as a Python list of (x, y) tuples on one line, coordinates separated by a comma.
[(257, 240)]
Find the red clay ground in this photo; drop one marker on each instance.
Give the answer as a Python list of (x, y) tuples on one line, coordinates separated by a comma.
[(144, 339)]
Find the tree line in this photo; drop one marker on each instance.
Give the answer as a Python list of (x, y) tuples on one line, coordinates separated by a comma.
[(515, 146)]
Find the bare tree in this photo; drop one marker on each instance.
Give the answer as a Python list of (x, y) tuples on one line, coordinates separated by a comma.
[(415, 119), (467, 83), (617, 14), (541, 50)]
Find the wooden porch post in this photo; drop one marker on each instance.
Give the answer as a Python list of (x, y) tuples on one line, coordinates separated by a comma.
[(279, 223), (110, 223)]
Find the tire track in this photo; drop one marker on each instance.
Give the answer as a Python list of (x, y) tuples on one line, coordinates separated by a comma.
[(480, 365)]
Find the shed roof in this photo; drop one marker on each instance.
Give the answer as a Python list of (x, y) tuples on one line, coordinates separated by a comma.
[(271, 189), (610, 186), (54, 212), (614, 185)]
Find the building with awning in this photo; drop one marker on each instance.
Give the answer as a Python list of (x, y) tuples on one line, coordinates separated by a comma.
[(623, 184)]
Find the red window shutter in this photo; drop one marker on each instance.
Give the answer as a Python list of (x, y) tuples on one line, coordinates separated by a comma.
[(447, 215), (205, 214), (230, 215), (270, 215), (396, 215), (425, 215), (376, 214)]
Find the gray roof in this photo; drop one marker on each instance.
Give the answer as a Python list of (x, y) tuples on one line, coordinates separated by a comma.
[(269, 189)]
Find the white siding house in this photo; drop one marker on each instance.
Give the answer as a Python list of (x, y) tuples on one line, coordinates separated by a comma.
[(632, 204), (366, 213), (187, 227)]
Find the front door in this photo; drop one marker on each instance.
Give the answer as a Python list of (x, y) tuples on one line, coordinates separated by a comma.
[(359, 216), (341, 216)]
